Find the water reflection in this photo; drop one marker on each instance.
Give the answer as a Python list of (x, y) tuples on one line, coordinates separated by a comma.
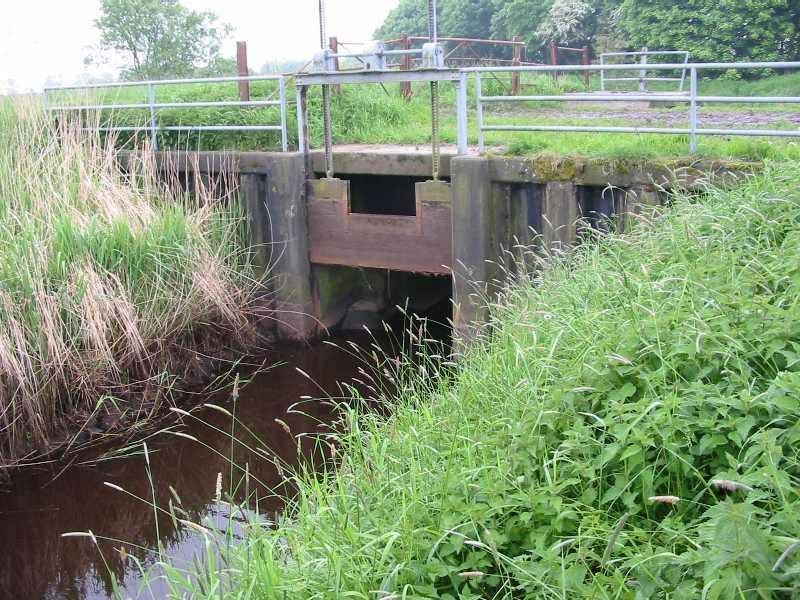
[(35, 562)]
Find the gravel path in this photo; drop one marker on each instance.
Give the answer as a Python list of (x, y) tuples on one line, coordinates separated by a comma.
[(657, 117)]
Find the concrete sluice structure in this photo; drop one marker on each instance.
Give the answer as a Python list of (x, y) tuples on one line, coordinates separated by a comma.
[(381, 233)]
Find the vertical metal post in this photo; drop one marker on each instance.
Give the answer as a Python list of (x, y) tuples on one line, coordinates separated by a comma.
[(243, 71), (643, 72), (151, 100), (515, 62), (301, 119), (461, 113), (693, 110), (405, 65), (326, 98), (602, 73), (479, 111), (683, 71), (282, 98), (586, 64), (333, 44)]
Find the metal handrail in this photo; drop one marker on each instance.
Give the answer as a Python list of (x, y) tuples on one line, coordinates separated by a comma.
[(154, 106), (460, 78), (692, 98), (641, 66), (116, 84)]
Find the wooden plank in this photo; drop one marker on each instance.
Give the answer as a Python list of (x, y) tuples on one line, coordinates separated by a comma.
[(419, 244)]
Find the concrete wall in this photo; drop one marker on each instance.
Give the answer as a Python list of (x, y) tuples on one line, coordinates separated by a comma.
[(492, 210)]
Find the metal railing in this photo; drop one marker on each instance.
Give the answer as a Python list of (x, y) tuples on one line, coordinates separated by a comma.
[(642, 66), (692, 99), (153, 106)]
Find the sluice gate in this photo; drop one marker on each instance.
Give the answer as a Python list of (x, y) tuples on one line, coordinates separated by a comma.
[(334, 245)]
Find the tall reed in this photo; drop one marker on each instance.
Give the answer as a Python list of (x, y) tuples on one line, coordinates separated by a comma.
[(108, 281)]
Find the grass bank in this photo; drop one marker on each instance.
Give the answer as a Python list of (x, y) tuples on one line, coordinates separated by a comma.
[(109, 283), (628, 430)]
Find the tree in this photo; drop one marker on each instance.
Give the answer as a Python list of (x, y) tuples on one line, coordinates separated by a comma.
[(569, 23), (467, 18), (160, 38), (522, 18), (456, 18), (409, 17), (714, 30)]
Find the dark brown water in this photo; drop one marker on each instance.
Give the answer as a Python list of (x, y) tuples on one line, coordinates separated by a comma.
[(40, 505)]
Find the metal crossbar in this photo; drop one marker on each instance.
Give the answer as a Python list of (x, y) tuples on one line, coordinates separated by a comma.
[(153, 106), (642, 67), (692, 99)]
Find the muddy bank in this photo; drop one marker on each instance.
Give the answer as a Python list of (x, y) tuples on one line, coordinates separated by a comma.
[(123, 406)]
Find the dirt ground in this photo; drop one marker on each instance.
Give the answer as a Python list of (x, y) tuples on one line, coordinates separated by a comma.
[(654, 116)]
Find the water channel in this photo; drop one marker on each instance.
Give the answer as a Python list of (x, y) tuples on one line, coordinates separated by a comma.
[(42, 503)]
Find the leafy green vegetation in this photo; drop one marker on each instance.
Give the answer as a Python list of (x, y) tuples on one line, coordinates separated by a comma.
[(106, 282), (161, 38), (752, 30), (628, 428), (775, 85)]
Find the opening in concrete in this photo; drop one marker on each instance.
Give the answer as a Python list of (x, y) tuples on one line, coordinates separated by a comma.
[(597, 205), (383, 194), (529, 200)]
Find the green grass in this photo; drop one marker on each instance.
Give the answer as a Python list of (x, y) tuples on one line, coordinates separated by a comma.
[(628, 429), (372, 115), (769, 85), (106, 281)]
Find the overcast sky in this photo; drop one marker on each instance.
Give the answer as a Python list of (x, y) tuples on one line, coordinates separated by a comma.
[(41, 39)]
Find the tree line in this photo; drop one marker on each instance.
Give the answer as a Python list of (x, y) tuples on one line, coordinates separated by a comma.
[(712, 30), (163, 38)]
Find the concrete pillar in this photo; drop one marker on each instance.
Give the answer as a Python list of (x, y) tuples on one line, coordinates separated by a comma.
[(252, 195), (275, 197), (474, 221), (640, 203), (559, 215), (525, 220)]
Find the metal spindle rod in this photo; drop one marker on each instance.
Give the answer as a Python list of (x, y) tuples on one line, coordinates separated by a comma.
[(326, 98), (693, 110), (282, 96), (479, 111), (151, 100), (301, 120), (461, 114)]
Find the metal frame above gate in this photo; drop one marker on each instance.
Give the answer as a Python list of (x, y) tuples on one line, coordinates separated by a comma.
[(325, 73), (306, 80)]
